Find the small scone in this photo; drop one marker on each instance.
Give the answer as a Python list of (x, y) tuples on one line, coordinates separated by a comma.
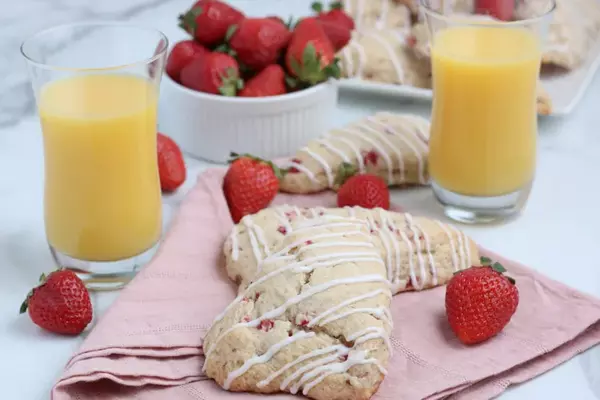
[(312, 315), (392, 146), (380, 14), (385, 57)]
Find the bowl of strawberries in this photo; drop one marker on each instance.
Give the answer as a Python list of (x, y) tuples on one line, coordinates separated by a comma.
[(256, 85)]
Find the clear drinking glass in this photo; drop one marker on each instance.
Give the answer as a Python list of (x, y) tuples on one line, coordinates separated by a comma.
[(484, 119), (96, 86)]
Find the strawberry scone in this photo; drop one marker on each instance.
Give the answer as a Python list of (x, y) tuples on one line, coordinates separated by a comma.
[(312, 315), (391, 146)]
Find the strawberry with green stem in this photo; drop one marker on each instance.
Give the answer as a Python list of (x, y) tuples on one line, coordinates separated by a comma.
[(480, 301), (250, 185), (60, 303), (363, 190), (208, 20), (215, 73), (336, 23), (310, 56)]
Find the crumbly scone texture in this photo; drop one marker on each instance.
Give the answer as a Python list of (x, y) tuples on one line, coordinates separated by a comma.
[(312, 315), (391, 146), (381, 14), (574, 29), (404, 241), (384, 56)]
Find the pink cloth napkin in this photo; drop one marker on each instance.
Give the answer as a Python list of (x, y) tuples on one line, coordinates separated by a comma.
[(148, 344)]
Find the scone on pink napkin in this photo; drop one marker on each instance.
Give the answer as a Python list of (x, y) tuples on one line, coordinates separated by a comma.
[(148, 345)]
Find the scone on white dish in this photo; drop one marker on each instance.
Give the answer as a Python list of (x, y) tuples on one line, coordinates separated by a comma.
[(574, 29), (314, 318), (384, 57), (380, 14), (391, 146)]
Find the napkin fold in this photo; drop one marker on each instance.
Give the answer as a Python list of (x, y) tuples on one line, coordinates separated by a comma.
[(148, 345)]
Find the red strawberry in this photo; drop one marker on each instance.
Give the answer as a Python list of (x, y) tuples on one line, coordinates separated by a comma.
[(216, 73), (181, 55), (310, 55), (338, 34), (269, 82), (367, 191), (208, 20), (500, 9), (480, 301), (60, 304), (171, 167), (257, 42), (335, 14), (250, 185)]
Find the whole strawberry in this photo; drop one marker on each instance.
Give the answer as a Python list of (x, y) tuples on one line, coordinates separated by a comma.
[(480, 301), (60, 304), (257, 42), (208, 20), (250, 185), (171, 167), (215, 73), (367, 191), (181, 55), (269, 82), (310, 56), (336, 14)]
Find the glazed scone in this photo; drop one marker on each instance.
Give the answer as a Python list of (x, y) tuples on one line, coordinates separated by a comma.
[(385, 57), (544, 102), (392, 146), (380, 14), (574, 29), (411, 264), (312, 314), (314, 320)]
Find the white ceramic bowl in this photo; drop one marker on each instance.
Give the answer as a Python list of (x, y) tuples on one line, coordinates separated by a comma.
[(211, 127)]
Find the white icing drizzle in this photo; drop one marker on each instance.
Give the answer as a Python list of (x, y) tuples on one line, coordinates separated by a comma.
[(386, 246), (467, 248), (377, 146), (279, 213), (391, 145), (311, 366), (316, 320), (299, 242), (351, 211), (382, 20), (461, 248), (247, 221), (320, 373), (351, 146), (386, 221), (455, 265), (427, 241), (371, 278), (370, 334), (265, 357), (304, 170), (362, 57), (411, 227), (233, 238), (400, 136), (393, 56), (323, 163), (360, 7), (338, 349), (421, 126), (411, 265), (333, 225), (334, 150)]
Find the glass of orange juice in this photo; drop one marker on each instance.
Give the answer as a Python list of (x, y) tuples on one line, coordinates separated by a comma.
[(484, 119), (96, 87)]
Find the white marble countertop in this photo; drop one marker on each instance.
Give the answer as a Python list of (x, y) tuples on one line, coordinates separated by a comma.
[(557, 234)]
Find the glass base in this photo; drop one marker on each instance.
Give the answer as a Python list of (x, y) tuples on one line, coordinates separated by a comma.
[(104, 275), (481, 210)]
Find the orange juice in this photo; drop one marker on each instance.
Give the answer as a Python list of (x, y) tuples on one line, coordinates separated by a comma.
[(102, 190), (484, 122)]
